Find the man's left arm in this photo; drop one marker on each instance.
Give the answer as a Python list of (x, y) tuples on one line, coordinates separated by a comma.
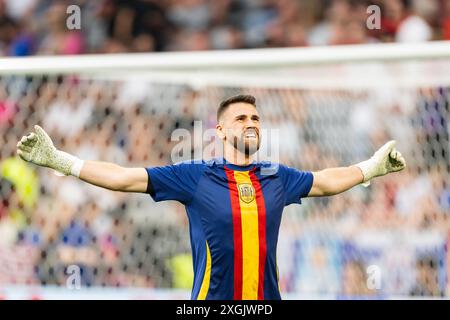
[(336, 180)]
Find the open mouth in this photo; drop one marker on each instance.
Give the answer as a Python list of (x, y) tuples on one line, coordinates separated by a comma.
[(251, 133)]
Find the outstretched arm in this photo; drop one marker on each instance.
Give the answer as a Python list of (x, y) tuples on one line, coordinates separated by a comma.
[(38, 148), (336, 180), (114, 177)]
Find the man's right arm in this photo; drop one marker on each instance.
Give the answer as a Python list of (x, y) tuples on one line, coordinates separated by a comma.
[(37, 147), (114, 177)]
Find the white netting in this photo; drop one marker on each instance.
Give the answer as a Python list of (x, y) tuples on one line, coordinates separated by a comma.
[(398, 227)]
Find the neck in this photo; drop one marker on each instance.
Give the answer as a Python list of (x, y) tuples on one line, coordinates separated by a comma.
[(236, 157)]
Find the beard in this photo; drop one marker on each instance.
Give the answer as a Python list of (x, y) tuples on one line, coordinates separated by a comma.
[(246, 146)]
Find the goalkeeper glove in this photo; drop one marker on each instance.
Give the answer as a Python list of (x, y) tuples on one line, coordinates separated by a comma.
[(387, 159), (38, 148)]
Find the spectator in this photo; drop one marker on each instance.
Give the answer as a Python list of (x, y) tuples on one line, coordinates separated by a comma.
[(59, 39), (113, 26), (416, 27)]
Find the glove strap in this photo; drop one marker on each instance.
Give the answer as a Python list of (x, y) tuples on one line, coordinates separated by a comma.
[(366, 168), (68, 164), (75, 170)]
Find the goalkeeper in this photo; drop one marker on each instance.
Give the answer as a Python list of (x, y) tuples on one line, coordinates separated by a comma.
[(234, 208)]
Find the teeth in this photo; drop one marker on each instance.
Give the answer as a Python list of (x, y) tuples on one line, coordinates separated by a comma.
[(250, 134)]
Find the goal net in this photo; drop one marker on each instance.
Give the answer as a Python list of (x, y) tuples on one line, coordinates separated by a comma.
[(320, 107)]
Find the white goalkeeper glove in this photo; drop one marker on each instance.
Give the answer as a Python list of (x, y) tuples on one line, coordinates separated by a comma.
[(38, 148), (387, 159)]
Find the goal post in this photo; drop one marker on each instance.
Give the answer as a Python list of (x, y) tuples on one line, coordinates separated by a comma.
[(331, 106)]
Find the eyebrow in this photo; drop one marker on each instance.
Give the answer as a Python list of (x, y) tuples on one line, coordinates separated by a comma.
[(244, 115)]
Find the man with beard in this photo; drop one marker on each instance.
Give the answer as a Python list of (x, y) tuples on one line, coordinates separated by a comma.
[(234, 208)]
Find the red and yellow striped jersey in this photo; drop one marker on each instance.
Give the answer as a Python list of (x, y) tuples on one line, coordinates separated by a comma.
[(234, 217)]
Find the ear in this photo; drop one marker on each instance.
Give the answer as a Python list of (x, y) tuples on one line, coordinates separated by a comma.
[(220, 132)]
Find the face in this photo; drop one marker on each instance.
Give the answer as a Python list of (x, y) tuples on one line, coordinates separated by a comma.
[(239, 126)]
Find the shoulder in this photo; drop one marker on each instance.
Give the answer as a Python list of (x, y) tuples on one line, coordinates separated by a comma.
[(278, 169), (271, 168), (193, 167), (193, 163)]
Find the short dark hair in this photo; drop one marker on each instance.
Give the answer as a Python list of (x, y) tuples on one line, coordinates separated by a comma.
[(245, 98)]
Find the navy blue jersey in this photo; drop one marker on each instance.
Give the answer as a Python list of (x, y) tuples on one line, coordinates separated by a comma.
[(234, 217)]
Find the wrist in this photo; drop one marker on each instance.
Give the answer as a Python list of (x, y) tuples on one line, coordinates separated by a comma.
[(360, 171), (366, 168), (67, 164), (77, 165)]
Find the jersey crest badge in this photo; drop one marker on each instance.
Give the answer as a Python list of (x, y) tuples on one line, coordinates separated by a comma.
[(246, 192)]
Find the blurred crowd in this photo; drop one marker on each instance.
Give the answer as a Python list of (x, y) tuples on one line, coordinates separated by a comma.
[(39, 27), (48, 223)]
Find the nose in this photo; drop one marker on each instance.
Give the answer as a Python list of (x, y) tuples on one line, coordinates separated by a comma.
[(249, 123)]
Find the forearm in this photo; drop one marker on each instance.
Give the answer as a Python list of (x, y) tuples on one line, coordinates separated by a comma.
[(114, 177), (37, 147), (332, 181)]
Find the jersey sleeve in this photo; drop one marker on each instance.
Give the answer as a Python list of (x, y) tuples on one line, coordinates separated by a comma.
[(174, 182), (296, 183)]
